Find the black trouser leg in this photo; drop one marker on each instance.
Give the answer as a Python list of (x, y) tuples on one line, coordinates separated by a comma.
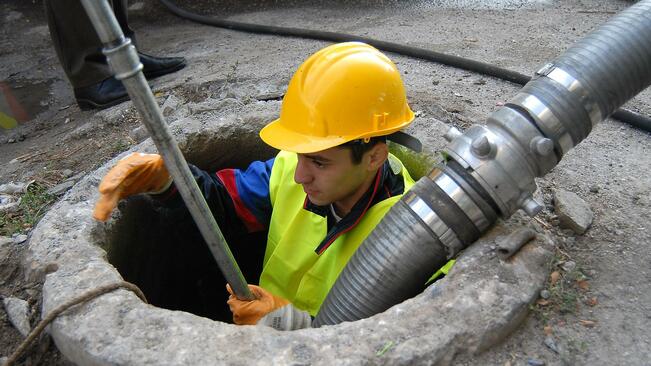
[(77, 45)]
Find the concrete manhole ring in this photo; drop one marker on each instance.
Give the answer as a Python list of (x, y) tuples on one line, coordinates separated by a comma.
[(475, 306)]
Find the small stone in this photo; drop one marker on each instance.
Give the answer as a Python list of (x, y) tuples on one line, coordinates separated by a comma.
[(4, 240), (109, 117), (12, 188), (139, 134), (11, 140), (535, 362), (18, 313), (270, 96), (8, 203), (573, 212), (594, 189), (568, 266), (21, 238), (83, 131), (67, 173), (587, 323), (170, 105), (551, 344), (61, 188), (75, 178), (545, 294)]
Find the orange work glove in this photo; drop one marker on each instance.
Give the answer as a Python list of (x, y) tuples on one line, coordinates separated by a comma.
[(250, 312), (136, 173)]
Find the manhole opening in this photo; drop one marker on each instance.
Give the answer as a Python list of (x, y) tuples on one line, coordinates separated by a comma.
[(162, 252)]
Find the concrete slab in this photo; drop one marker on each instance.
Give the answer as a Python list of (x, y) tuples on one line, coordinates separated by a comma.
[(481, 301)]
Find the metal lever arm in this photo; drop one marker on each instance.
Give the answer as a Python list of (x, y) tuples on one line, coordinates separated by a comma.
[(125, 63)]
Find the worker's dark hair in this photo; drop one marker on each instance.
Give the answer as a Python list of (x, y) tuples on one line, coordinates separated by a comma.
[(359, 147)]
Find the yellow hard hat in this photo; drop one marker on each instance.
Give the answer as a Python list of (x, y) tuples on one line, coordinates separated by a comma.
[(344, 92)]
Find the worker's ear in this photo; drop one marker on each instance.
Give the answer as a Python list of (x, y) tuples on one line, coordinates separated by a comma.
[(376, 156)]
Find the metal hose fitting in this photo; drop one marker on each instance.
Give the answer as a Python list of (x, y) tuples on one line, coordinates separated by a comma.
[(489, 170)]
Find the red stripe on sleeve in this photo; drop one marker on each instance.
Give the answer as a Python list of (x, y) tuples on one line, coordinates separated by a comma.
[(227, 176)]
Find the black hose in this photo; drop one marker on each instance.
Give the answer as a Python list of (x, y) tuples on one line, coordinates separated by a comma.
[(626, 116), (633, 119)]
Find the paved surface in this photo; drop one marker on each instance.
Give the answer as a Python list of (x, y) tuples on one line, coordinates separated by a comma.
[(609, 170)]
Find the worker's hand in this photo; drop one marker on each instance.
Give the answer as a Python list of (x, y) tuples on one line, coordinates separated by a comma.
[(136, 173), (247, 312), (267, 310)]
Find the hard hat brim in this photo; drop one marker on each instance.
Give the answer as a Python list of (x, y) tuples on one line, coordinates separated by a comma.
[(280, 137)]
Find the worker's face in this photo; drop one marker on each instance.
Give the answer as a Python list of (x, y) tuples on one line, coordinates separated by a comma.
[(330, 176)]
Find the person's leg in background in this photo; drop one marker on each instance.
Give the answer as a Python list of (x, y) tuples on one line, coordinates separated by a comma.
[(80, 53)]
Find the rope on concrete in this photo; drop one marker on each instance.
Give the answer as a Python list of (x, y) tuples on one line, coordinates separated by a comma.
[(87, 296)]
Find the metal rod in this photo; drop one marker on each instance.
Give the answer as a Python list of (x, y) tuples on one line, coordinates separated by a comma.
[(125, 63)]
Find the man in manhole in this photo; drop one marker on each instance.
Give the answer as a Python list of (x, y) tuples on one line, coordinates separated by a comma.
[(319, 198)]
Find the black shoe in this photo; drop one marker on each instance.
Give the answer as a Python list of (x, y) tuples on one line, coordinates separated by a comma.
[(110, 92), (104, 94), (154, 67)]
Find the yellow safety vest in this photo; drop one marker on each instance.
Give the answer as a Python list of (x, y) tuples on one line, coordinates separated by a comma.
[(291, 268)]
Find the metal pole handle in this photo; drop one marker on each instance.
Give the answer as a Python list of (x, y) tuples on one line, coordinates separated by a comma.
[(125, 63)]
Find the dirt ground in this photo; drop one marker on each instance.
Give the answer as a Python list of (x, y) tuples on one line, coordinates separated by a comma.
[(599, 310)]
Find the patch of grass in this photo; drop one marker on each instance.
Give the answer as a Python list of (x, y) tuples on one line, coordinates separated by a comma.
[(418, 164), (384, 349), (540, 312), (577, 346), (33, 205), (564, 292), (119, 146), (231, 77), (566, 299)]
